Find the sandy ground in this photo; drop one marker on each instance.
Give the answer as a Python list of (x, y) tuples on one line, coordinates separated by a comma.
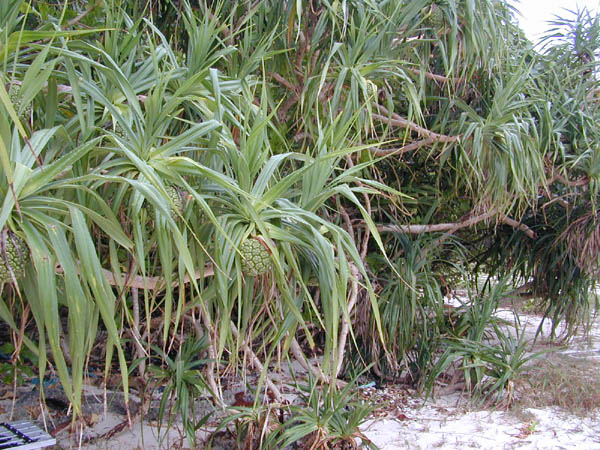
[(444, 422), (449, 428), (439, 424), (447, 422)]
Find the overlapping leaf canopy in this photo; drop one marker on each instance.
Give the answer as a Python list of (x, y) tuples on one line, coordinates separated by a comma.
[(377, 148)]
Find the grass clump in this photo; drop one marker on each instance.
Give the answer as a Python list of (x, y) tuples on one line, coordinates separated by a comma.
[(572, 384)]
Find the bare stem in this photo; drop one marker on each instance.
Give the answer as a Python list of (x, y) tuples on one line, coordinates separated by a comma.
[(520, 226), (141, 353), (212, 356), (258, 365), (151, 283), (399, 121), (433, 76), (437, 227), (303, 361), (404, 149), (346, 320)]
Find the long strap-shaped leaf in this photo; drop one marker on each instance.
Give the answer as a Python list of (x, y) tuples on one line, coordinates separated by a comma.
[(102, 292)]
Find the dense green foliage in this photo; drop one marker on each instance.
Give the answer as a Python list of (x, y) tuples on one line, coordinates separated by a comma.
[(382, 154)]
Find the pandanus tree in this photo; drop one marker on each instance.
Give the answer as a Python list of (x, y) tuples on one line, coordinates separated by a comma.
[(303, 179)]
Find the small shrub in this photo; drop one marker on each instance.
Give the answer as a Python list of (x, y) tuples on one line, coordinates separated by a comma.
[(183, 384), (329, 418)]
